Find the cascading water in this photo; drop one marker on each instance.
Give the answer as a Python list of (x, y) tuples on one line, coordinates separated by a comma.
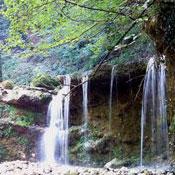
[(110, 96), (85, 84), (55, 138), (154, 114)]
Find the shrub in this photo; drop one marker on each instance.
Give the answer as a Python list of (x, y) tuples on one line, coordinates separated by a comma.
[(45, 81)]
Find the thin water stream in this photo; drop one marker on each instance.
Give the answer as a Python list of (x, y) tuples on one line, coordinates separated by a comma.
[(154, 113), (110, 97), (85, 79)]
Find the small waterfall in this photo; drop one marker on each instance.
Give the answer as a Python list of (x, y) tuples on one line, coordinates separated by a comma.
[(154, 114), (55, 138), (110, 96), (85, 79), (85, 84)]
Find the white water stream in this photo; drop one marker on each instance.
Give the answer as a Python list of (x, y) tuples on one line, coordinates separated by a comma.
[(154, 112), (55, 138)]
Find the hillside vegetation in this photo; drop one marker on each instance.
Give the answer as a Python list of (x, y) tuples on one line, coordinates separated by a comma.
[(60, 37)]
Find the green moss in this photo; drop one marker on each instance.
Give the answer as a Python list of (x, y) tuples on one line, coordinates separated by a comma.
[(95, 132), (45, 81), (131, 159), (23, 141), (117, 152), (44, 98), (26, 119), (20, 116), (8, 132), (172, 126)]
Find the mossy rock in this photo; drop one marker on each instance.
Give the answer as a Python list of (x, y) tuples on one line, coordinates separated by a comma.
[(45, 81), (7, 84), (3, 153)]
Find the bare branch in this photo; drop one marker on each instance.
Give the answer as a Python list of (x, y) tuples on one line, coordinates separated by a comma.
[(90, 8), (141, 83), (98, 9)]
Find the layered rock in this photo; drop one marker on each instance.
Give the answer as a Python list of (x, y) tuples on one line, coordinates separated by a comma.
[(34, 99), (161, 28), (18, 142), (102, 145), (124, 141), (22, 110)]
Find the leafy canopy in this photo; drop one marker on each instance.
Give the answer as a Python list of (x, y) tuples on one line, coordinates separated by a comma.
[(37, 25)]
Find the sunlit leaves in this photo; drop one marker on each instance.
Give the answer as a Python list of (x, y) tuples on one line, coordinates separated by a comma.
[(56, 22)]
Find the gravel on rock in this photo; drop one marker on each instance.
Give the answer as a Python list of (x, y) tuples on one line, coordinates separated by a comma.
[(30, 168)]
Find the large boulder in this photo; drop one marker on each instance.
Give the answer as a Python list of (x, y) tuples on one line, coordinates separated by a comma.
[(115, 163), (7, 84), (30, 99)]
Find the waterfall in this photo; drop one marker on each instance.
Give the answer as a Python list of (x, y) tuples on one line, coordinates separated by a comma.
[(154, 114), (85, 100), (55, 138), (110, 96)]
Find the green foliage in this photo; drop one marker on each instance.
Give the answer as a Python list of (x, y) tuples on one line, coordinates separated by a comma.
[(117, 152), (142, 48), (131, 159), (70, 38), (22, 117), (9, 132), (23, 141), (24, 120), (39, 25), (17, 70), (95, 133), (45, 81), (172, 126)]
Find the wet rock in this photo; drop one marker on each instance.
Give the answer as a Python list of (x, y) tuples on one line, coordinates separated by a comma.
[(7, 84), (115, 163), (73, 173), (101, 146), (129, 39), (28, 168)]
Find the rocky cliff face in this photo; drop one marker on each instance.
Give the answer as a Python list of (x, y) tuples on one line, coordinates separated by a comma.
[(124, 140), (22, 117), (161, 28), (102, 145)]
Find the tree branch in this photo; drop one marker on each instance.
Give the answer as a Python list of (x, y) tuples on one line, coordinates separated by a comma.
[(90, 8), (109, 53), (98, 9), (122, 37)]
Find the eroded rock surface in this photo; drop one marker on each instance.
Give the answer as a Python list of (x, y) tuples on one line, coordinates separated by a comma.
[(36, 100)]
